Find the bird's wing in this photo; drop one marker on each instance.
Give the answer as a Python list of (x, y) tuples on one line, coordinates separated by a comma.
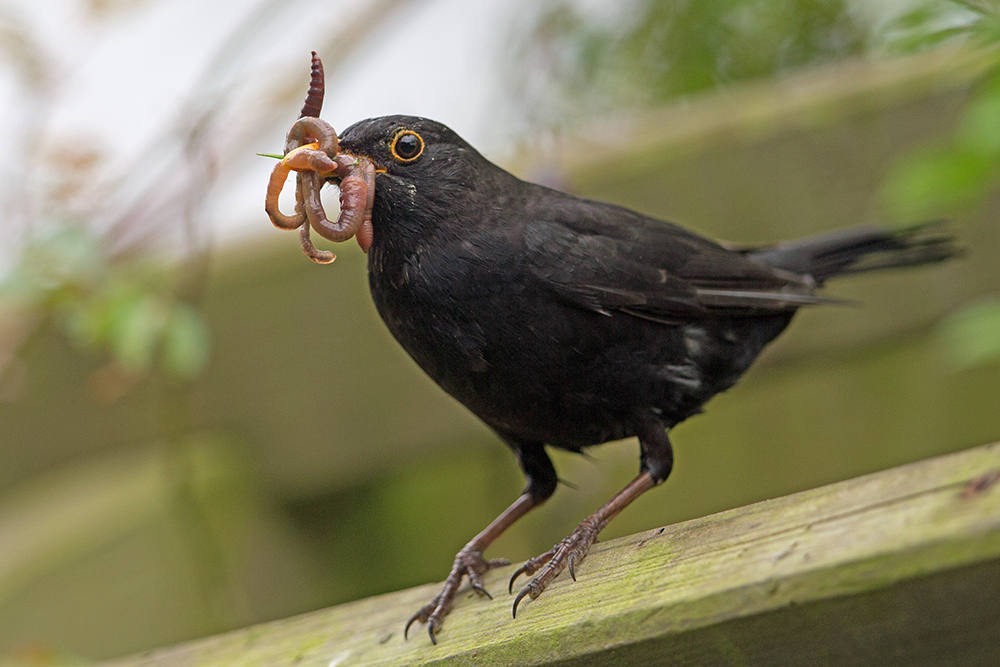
[(606, 258)]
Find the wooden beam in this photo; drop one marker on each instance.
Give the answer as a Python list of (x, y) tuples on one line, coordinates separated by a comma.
[(900, 567)]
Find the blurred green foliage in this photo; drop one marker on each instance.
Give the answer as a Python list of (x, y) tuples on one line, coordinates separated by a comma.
[(972, 335), (940, 178), (646, 52), (960, 172), (931, 23), (126, 308)]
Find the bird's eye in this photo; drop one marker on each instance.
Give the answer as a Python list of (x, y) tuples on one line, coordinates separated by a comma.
[(407, 146)]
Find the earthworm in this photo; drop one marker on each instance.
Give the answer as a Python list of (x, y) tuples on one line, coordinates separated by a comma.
[(308, 129), (317, 87), (302, 157), (274, 186), (366, 233), (309, 158), (312, 149), (353, 199), (311, 251)]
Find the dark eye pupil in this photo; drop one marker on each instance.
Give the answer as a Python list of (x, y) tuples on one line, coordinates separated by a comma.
[(407, 146)]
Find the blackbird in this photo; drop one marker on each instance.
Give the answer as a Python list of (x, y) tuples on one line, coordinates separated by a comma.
[(566, 322)]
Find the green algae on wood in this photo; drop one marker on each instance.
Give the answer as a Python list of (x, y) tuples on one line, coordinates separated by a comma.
[(897, 567)]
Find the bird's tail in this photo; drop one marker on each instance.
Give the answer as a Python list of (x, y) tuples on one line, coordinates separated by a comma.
[(859, 249)]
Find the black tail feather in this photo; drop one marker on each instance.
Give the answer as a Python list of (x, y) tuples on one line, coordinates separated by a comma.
[(859, 249)]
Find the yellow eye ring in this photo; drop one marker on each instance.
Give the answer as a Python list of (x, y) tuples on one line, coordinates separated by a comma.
[(410, 149)]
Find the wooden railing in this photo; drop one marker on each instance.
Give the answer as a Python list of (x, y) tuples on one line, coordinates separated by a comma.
[(900, 567)]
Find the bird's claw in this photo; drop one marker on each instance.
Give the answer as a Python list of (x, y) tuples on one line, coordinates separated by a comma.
[(569, 552), (530, 566), (423, 615), (469, 562), (477, 586)]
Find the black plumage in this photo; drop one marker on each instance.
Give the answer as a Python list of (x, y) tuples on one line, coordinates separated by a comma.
[(567, 322)]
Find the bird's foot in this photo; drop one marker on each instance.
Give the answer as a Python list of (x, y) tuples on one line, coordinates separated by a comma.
[(569, 552), (469, 562)]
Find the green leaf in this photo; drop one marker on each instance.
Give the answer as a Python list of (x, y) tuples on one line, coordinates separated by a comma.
[(971, 337), (61, 258), (988, 30), (979, 127), (136, 332), (276, 157), (916, 19), (929, 25), (938, 181), (87, 322), (185, 343)]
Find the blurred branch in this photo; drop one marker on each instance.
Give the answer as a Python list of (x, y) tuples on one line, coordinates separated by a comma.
[(156, 203), (203, 124), (20, 50)]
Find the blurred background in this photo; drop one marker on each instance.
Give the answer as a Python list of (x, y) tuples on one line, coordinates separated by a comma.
[(200, 429)]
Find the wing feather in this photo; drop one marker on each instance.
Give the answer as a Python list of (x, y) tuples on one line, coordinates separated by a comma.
[(606, 258)]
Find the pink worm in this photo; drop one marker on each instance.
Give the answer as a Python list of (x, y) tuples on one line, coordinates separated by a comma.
[(313, 166)]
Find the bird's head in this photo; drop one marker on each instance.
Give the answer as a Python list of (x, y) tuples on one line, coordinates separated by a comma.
[(401, 178), (429, 181), (407, 147), (416, 158), (425, 173), (407, 175)]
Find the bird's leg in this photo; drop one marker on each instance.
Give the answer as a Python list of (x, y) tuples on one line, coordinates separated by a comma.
[(657, 461), (573, 549), (469, 562)]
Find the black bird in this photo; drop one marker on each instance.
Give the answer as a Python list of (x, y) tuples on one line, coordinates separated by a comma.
[(566, 322)]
